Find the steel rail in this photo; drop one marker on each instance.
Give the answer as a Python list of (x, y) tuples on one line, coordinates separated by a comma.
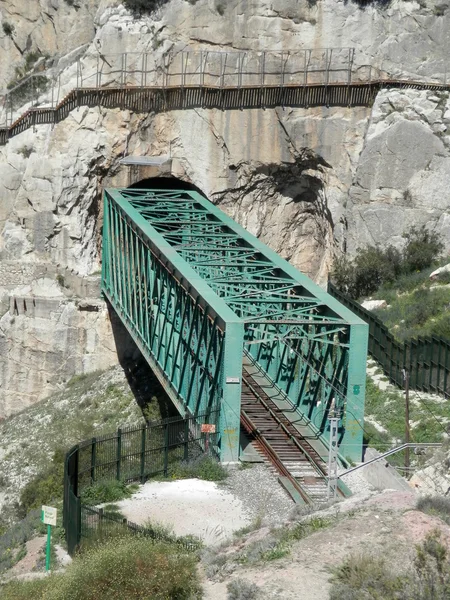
[(264, 443)]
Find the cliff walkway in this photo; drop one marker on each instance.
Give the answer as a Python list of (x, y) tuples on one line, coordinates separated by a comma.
[(197, 79)]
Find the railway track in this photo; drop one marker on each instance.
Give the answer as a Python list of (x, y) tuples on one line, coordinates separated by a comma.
[(301, 470)]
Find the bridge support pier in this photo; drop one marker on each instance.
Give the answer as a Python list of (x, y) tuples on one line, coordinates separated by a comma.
[(232, 380)]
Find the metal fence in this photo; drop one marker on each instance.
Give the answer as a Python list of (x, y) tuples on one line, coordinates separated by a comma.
[(131, 454), (427, 360)]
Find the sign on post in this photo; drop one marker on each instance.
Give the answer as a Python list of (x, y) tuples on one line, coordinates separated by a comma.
[(48, 517), (207, 428)]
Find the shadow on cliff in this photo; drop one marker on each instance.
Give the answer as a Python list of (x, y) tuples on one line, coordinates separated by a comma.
[(144, 385)]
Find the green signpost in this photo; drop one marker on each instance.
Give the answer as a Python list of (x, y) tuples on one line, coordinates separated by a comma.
[(48, 517)]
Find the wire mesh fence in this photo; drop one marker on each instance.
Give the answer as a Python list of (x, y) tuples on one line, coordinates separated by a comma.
[(427, 360), (130, 454)]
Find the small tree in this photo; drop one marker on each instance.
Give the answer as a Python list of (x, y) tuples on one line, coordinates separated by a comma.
[(370, 268), (422, 248), (8, 29)]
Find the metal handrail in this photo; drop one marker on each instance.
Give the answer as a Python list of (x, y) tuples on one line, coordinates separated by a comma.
[(393, 451)]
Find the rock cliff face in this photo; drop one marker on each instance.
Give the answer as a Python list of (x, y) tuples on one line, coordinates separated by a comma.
[(310, 182)]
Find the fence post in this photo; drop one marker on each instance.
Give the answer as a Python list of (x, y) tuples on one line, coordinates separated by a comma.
[(119, 453), (93, 458), (166, 448), (100, 520), (78, 522), (143, 436), (186, 436)]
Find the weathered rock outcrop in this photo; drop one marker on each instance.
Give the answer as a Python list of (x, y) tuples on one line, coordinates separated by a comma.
[(309, 181)]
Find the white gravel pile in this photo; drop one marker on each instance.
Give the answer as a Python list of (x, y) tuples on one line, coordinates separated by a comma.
[(187, 507)]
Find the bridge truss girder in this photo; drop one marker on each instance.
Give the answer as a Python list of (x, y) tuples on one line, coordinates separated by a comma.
[(197, 290)]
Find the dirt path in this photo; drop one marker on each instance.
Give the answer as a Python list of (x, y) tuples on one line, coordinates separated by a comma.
[(385, 524)]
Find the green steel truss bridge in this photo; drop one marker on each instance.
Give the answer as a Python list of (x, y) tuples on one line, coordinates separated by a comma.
[(207, 302)]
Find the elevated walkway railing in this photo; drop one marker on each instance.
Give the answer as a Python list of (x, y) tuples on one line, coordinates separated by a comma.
[(426, 359), (204, 78)]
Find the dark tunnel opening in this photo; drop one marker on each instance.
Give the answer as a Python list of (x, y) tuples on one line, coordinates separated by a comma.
[(165, 183)]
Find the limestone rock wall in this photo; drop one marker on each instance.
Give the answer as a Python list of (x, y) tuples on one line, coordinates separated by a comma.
[(309, 182)]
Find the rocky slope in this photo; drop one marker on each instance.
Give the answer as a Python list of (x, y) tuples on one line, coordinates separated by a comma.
[(309, 181)]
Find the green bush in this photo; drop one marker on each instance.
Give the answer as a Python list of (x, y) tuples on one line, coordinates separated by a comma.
[(8, 29), (143, 6), (204, 467), (438, 506), (422, 249), (364, 576), (373, 267), (239, 589), (46, 487), (370, 578), (107, 491), (370, 268), (122, 568), (12, 542)]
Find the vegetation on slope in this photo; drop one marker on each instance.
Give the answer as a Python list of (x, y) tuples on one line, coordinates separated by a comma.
[(128, 567), (373, 266), (33, 443), (369, 577), (417, 306)]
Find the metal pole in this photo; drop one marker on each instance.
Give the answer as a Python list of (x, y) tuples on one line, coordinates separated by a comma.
[(47, 554), (407, 429), (333, 452)]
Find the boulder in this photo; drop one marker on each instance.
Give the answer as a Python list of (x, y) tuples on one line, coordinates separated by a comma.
[(374, 304), (441, 271)]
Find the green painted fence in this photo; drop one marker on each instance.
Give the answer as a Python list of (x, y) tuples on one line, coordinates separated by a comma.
[(130, 454), (426, 359)]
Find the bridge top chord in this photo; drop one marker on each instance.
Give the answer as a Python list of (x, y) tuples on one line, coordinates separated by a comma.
[(255, 282)]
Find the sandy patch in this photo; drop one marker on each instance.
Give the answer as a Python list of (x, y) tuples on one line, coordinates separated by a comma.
[(189, 506), (418, 525)]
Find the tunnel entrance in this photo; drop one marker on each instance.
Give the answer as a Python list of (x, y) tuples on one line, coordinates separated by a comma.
[(165, 183)]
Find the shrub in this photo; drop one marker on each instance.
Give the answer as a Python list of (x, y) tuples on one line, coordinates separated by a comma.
[(131, 568), (364, 576), (8, 29), (373, 267), (204, 467), (12, 542), (435, 505), (370, 268), (26, 151), (239, 589), (422, 248), (368, 577), (220, 7), (46, 487), (143, 6), (107, 491)]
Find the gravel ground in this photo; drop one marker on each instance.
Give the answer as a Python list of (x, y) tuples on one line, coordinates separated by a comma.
[(209, 510), (357, 483), (188, 506), (260, 493)]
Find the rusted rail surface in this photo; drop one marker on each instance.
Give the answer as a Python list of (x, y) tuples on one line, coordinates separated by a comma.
[(291, 454), (165, 98)]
